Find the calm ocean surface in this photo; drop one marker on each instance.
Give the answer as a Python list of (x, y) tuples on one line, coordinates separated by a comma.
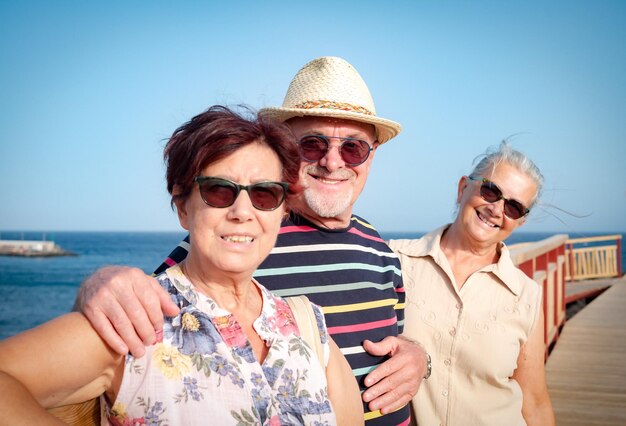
[(34, 290)]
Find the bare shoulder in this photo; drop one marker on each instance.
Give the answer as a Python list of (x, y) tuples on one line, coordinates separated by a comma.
[(77, 364), (57, 328)]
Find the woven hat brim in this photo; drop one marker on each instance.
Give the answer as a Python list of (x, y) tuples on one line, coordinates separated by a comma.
[(385, 129)]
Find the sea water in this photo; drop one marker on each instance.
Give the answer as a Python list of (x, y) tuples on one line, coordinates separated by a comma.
[(35, 290)]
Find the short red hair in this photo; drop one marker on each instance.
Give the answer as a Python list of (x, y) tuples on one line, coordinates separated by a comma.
[(217, 133)]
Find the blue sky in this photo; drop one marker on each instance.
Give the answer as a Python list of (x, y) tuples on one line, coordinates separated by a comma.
[(91, 90)]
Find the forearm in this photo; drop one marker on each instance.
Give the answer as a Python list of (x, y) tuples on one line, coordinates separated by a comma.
[(349, 412), (530, 374), (538, 413), (18, 406)]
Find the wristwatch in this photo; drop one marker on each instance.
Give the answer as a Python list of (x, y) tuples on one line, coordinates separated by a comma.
[(429, 367)]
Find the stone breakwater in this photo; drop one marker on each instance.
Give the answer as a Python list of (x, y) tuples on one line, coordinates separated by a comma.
[(32, 249)]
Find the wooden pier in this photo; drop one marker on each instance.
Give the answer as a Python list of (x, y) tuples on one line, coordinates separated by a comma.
[(563, 268), (586, 354), (25, 248), (586, 371)]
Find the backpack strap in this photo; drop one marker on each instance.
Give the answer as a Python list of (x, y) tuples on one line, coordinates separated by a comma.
[(307, 324)]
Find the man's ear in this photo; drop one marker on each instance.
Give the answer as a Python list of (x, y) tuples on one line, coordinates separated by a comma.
[(375, 146)]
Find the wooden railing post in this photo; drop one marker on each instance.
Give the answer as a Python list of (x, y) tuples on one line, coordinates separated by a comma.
[(562, 283), (619, 257), (571, 262), (541, 278), (552, 260)]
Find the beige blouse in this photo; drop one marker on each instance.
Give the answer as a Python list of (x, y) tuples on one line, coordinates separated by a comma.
[(473, 335)]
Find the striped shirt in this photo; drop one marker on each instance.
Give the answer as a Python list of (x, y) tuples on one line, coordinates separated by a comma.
[(352, 274)]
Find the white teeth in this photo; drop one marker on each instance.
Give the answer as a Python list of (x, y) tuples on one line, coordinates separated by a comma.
[(492, 225), (238, 239), (330, 182)]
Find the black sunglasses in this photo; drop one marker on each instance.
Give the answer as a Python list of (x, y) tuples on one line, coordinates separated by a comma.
[(490, 192), (353, 151), (221, 193)]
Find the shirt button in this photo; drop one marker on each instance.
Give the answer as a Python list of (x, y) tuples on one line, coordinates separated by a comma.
[(444, 393), (447, 362), (458, 306), (452, 331)]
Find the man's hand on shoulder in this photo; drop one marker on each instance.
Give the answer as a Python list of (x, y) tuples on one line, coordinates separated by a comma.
[(395, 382), (125, 306)]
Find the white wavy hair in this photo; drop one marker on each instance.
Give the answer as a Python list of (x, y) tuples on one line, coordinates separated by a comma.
[(504, 153)]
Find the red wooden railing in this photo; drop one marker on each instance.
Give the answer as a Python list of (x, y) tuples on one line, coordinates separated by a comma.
[(544, 262)]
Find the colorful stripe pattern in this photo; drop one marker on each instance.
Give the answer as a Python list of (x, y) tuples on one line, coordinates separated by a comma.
[(352, 274)]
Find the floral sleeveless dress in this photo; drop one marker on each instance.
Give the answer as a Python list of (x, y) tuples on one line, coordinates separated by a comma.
[(204, 371)]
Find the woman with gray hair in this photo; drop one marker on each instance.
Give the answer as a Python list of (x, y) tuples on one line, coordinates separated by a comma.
[(478, 316)]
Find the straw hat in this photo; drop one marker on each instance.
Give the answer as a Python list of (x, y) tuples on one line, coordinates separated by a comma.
[(331, 87)]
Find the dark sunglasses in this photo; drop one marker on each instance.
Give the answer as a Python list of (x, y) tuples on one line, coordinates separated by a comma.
[(221, 193), (490, 192), (353, 151)]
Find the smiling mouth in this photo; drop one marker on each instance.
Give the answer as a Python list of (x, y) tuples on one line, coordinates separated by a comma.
[(485, 221), (238, 239), (327, 181)]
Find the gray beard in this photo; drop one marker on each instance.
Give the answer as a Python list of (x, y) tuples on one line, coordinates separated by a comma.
[(325, 206)]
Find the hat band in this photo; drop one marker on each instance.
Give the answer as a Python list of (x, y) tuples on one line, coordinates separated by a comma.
[(342, 106)]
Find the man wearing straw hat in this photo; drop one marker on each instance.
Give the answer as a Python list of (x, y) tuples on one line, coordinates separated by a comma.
[(323, 251)]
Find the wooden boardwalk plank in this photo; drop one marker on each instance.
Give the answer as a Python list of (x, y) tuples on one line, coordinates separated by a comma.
[(586, 371), (581, 289)]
